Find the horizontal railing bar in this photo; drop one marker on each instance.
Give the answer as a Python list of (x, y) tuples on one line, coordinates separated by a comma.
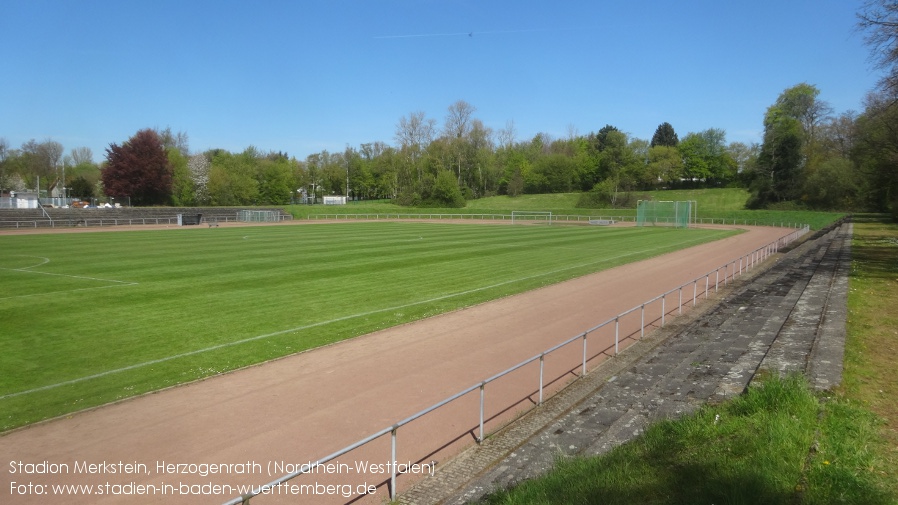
[(511, 369)]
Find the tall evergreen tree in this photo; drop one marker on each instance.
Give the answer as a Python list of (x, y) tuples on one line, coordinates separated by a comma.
[(665, 136)]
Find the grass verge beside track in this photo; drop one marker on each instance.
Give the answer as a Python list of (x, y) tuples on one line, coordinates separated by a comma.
[(754, 449), (91, 318)]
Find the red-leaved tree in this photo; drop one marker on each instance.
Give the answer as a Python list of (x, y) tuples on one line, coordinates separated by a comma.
[(139, 169)]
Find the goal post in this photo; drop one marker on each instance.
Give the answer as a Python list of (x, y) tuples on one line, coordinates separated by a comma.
[(530, 217), (665, 213)]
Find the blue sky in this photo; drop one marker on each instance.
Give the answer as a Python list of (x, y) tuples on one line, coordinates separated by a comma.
[(305, 76)]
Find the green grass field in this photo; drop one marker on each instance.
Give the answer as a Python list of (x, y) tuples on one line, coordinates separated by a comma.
[(90, 318)]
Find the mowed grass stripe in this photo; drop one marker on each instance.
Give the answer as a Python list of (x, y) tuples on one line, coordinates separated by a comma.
[(199, 292), (314, 279)]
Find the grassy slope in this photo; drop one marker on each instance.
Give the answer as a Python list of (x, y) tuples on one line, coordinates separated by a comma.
[(754, 449), (758, 448), (79, 305), (726, 203)]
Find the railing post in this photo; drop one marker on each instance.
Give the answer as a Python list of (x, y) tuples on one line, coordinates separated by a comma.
[(541, 363), (584, 354), (694, 291), (393, 463), (680, 301), (482, 385), (642, 322), (616, 334)]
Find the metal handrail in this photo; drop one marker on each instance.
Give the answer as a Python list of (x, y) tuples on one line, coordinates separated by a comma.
[(744, 265)]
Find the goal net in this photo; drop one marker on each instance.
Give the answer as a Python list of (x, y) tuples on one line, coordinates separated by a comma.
[(530, 217), (258, 216), (655, 213)]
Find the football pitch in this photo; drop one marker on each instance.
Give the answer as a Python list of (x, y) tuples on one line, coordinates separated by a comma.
[(91, 318)]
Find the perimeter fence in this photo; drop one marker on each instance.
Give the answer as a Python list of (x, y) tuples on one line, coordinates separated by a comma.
[(570, 218), (71, 218), (649, 314)]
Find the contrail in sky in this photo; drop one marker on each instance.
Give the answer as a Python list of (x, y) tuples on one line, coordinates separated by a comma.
[(470, 34)]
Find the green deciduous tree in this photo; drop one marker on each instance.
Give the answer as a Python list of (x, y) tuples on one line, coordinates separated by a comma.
[(802, 103), (558, 172), (779, 175), (599, 139), (276, 182), (665, 165), (183, 191), (445, 191), (706, 161), (792, 148), (232, 178), (875, 151), (835, 185)]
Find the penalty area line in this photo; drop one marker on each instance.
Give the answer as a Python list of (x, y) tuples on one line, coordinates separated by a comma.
[(323, 323), (45, 261)]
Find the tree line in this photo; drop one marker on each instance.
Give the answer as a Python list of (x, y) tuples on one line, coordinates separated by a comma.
[(809, 157)]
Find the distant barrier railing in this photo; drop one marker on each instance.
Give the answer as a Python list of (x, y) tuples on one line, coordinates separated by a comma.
[(101, 222), (63, 222), (470, 217), (98, 222), (731, 270), (576, 218)]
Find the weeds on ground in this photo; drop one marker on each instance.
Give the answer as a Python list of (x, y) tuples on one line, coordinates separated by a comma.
[(777, 444)]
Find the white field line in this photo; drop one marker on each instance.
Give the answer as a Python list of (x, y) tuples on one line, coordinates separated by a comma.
[(116, 283), (320, 323)]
